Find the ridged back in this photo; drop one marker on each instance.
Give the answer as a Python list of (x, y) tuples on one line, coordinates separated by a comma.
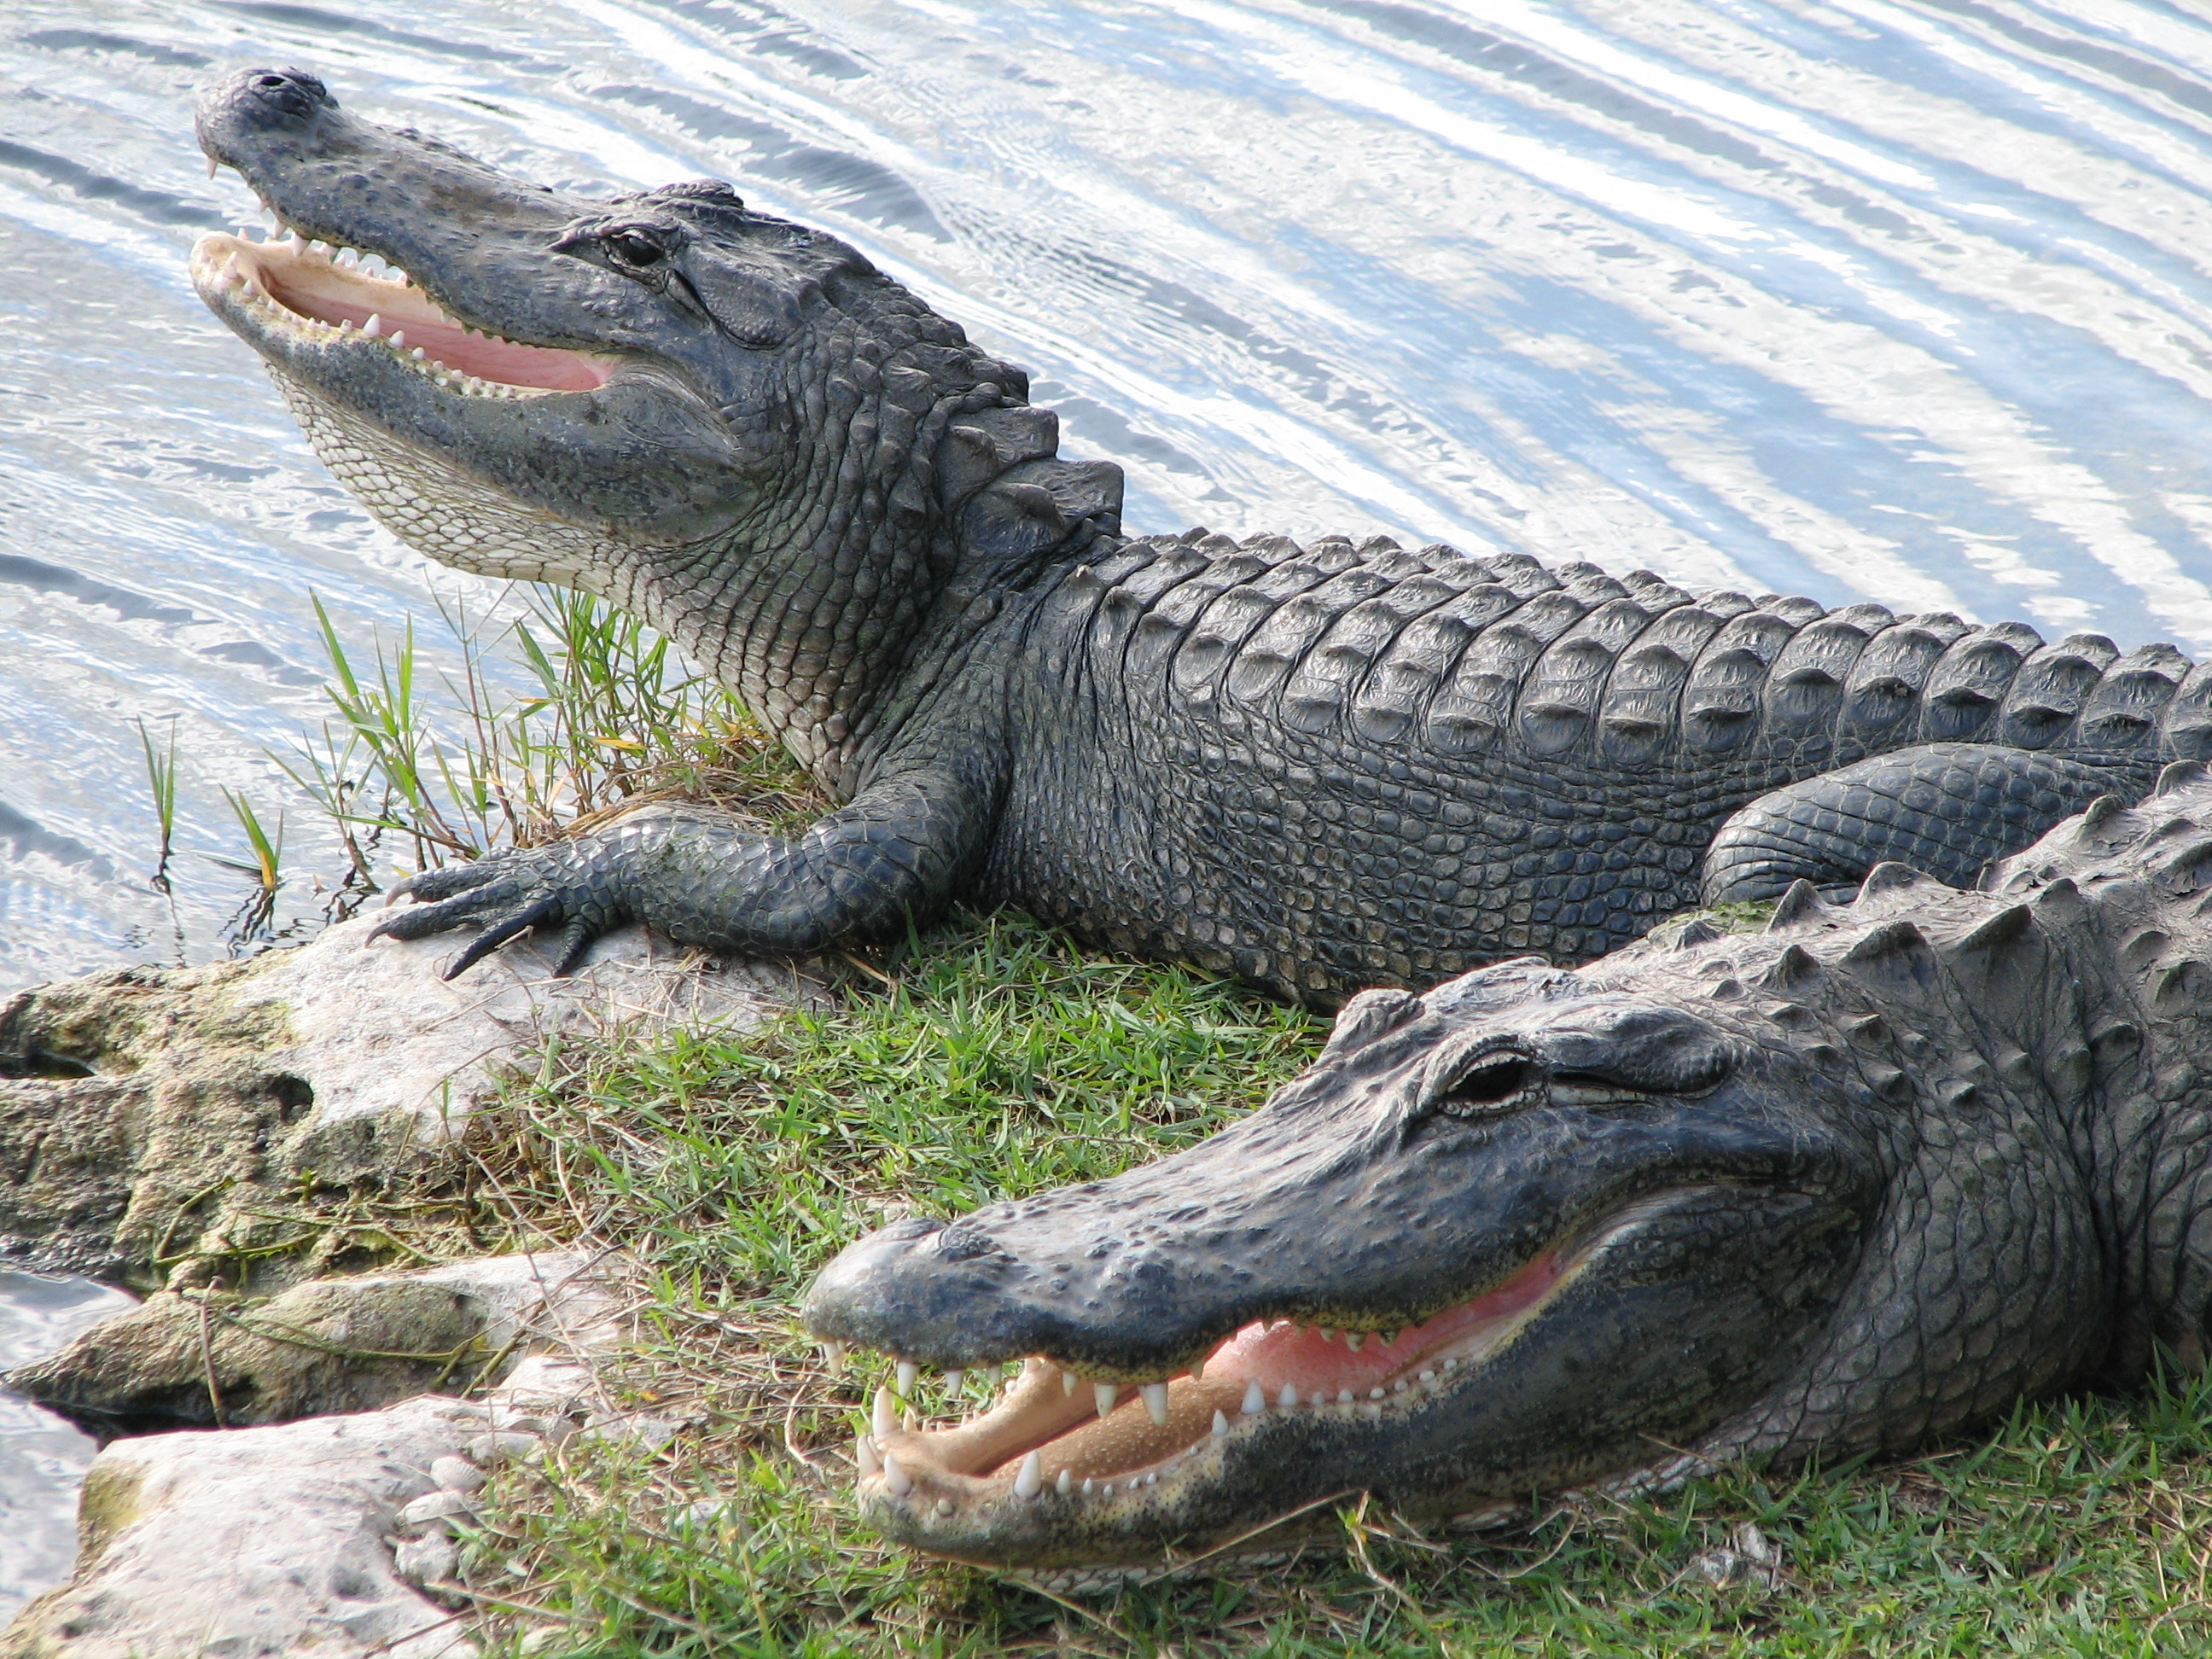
[(1457, 654)]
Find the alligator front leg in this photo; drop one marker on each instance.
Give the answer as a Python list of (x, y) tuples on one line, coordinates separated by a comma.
[(897, 852), (1944, 808)]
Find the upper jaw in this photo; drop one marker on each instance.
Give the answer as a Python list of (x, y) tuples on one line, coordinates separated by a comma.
[(475, 283)]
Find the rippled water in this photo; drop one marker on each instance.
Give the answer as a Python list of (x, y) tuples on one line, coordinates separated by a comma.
[(42, 1459), (1901, 301)]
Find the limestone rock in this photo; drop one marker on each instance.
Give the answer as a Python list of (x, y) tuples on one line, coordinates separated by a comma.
[(144, 1113), (207, 1359), (254, 1542)]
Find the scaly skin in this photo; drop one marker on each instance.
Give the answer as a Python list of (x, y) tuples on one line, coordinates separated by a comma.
[(1869, 1176), (1318, 768)]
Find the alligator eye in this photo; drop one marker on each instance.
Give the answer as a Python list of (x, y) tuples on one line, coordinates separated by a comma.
[(633, 249), (1495, 1082)]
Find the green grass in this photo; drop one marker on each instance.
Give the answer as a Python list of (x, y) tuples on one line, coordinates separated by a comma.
[(999, 1061)]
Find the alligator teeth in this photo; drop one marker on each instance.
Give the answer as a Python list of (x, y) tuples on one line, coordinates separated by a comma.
[(1086, 1485), (1067, 1381), (954, 1381), (1067, 1480), (1288, 1397), (895, 1480), (863, 1454), (1399, 1387), (1031, 1480), (1220, 1424), (1198, 1369), (1428, 1376), (1156, 1402), (1255, 1399), (1344, 1396), (1376, 1393), (833, 1356), (907, 1371), (374, 326), (1103, 1395), (1329, 1332), (1354, 1340), (886, 1417)]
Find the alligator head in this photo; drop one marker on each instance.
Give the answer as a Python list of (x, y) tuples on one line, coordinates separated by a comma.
[(733, 425), (1872, 1174)]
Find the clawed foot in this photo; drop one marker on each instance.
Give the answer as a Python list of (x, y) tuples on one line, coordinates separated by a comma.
[(561, 886)]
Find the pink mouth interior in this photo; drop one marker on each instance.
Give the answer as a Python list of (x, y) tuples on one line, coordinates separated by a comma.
[(311, 285), (1314, 1365)]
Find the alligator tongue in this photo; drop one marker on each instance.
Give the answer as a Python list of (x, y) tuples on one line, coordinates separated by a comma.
[(1314, 1364)]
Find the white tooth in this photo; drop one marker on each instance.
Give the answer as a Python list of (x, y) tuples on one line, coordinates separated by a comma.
[(210, 166), (1067, 1480), (1156, 1402), (833, 1356), (953, 1380), (399, 340), (1256, 1400), (1329, 1332), (944, 1506), (1030, 1479), (908, 1420), (886, 1417), (1377, 1392), (1067, 1381), (417, 353), (863, 1454), (1369, 1411), (1220, 1424), (1352, 1340), (1451, 1364), (895, 1478), (1399, 1387), (1344, 1396), (1288, 1397), (373, 326), (348, 258), (1428, 1376), (1086, 1485), (1103, 1395), (1106, 1491), (1152, 1480)]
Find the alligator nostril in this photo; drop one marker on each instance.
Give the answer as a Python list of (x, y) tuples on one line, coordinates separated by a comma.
[(294, 92)]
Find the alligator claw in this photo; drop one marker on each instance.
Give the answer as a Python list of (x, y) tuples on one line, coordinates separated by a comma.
[(505, 895)]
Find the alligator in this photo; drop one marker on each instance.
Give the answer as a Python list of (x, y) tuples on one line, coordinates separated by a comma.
[(1318, 768), (1867, 1177)]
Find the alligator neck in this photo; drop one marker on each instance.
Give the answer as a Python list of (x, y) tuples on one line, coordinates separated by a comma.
[(830, 595)]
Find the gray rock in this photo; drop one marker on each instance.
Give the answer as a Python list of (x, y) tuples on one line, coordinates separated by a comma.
[(433, 1559), (203, 1359), (432, 1508), (254, 1542), (457, 1474), (147, 1113)]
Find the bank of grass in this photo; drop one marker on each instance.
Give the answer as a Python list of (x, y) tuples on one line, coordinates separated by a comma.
[(991, 1058)]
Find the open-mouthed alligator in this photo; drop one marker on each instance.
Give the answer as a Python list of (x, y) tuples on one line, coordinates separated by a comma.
[(1868, 1176), (1320, 767)]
